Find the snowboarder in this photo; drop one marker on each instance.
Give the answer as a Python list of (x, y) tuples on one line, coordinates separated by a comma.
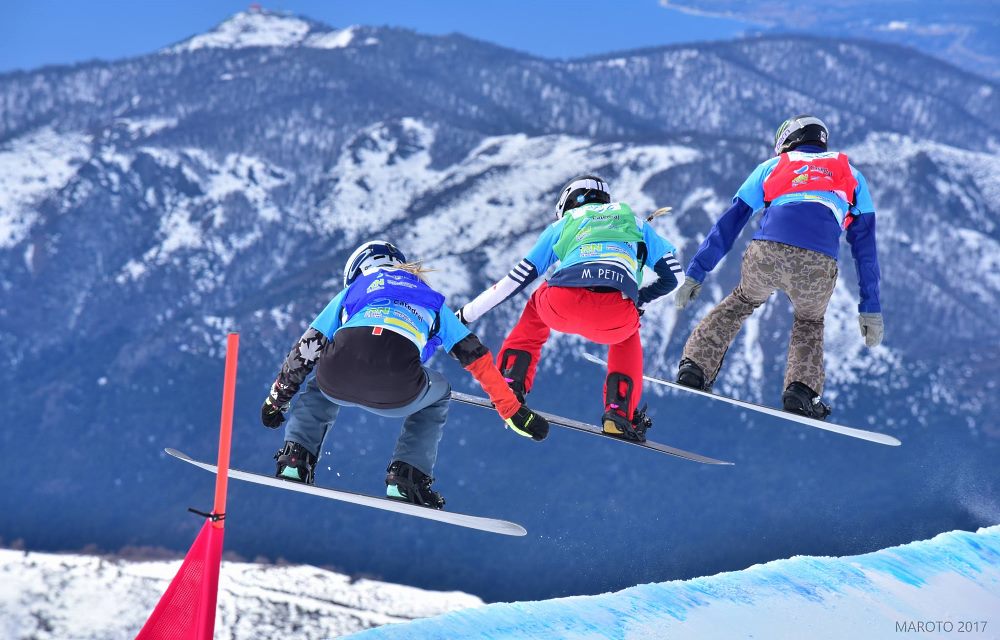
[(368, 347), (602, 247), (808, 195)]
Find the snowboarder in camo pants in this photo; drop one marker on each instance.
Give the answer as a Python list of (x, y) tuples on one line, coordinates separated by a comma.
[(602, 247), (808, 195), (368, 347)]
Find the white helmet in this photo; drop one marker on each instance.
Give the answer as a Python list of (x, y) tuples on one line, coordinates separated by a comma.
[(369, 257), (582, 190)]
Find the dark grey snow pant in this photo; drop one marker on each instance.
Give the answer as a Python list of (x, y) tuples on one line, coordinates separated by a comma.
[(313, 412), (808, 277)]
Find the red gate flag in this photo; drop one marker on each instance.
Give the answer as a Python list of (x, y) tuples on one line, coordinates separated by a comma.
[(187, 609)]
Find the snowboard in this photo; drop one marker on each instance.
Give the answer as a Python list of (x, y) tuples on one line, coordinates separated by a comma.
[(861, 434), (491, 525), (576, 425)]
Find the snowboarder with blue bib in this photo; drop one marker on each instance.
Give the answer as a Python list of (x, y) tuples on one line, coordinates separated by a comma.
[(367, 349), (808, 195), (601, 247)]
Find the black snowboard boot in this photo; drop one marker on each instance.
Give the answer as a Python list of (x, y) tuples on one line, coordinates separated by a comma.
[(691, 375), (407, 483), (617, 398), (799, 398), (514, 365), (295, 463)]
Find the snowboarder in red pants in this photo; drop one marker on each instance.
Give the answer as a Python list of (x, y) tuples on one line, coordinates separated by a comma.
[(601, 247)]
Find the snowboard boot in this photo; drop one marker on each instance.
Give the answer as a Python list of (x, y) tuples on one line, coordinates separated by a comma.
[(406, 483), (690, 374), (514, 365), (615, 421), (799, 398), (295, 463)]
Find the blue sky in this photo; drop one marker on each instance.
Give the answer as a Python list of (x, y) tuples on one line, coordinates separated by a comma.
[(40, 32)]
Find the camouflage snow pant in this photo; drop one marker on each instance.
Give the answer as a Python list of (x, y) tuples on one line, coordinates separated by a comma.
[(808, 277)]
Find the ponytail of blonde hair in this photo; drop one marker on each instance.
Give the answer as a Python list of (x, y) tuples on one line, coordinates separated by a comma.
[(416, 267)]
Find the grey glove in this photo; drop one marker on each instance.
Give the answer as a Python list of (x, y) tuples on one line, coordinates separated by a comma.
[(871, 328), (687, 292)]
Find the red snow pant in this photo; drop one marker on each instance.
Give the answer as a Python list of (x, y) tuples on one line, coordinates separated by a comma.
[(602, 317)]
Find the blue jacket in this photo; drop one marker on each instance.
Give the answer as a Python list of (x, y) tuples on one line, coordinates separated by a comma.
[(396, 301), (796, 220)]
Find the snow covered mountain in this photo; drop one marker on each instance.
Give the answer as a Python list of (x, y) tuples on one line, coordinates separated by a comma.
[(268, 29), (935, 588), (78, 597), (149, 205)]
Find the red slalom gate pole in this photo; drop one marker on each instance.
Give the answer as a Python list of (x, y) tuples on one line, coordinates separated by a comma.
[(187, 608), (226, 428), (210, 587)]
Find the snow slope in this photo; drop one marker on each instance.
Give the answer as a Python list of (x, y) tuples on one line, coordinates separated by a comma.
[(946, 584), (66, 597), (31, 168), (941, 585)]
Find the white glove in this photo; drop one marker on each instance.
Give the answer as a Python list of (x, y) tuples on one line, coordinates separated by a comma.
[(871, 328), (687, 292)]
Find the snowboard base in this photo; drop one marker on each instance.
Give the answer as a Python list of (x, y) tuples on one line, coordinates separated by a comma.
[(491, 525), (861, 434), (594, 430)]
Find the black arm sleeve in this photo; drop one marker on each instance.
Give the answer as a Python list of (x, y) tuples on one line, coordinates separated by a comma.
[(468, 350), (669, 271), (299, 363)]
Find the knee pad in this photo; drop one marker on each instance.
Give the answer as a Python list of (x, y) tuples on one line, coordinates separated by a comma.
[(618, 390), (514, 364)]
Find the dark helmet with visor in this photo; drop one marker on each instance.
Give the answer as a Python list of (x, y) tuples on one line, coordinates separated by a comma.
[(800, 130), (582, 190)]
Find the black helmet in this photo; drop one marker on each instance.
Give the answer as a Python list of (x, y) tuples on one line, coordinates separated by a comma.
[(582, 190), (800, 130)]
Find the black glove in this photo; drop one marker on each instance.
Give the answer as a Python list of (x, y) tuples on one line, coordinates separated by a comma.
[(529, 424), (271, 415)]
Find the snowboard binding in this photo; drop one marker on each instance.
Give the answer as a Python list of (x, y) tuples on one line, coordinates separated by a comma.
[(635, 429), (617, 399), (295, 463), (690, 374), (406, 483), (799, 398)]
